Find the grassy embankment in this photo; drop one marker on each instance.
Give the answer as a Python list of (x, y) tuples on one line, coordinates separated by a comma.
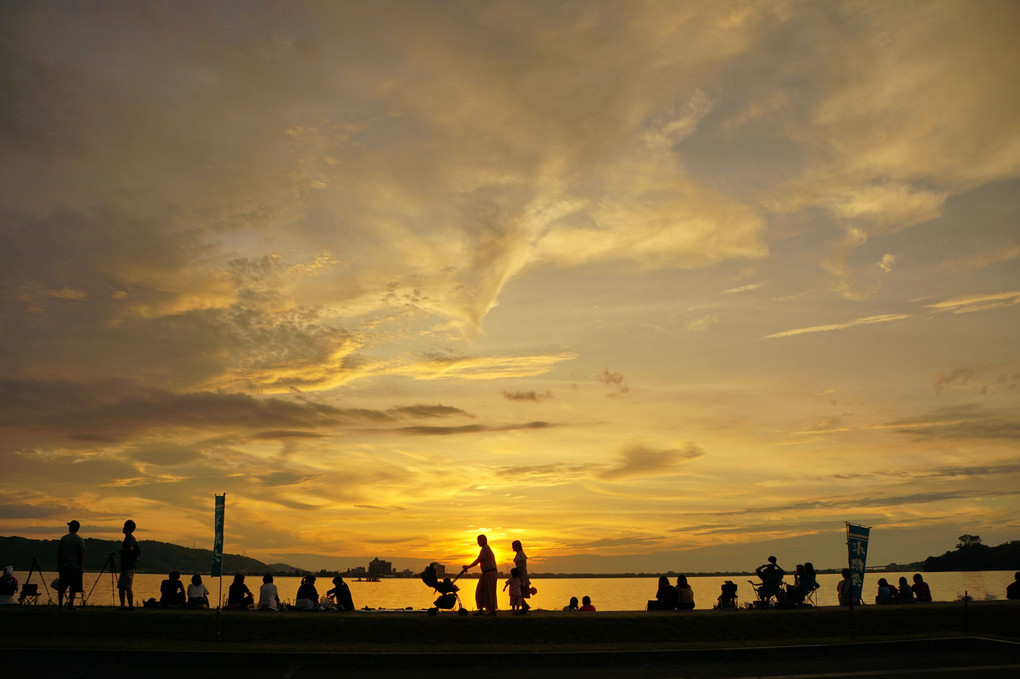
[(98, 627)]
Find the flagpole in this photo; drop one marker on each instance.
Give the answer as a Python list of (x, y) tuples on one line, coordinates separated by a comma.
[(217, 561)]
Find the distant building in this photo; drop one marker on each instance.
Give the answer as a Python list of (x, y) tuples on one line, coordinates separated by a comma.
[(377, 568), (440, 569)]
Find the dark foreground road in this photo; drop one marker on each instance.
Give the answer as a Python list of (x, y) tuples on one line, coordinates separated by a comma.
[(949, 658)]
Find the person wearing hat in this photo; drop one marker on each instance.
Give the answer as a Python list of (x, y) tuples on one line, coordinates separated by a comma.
[(70, 564)]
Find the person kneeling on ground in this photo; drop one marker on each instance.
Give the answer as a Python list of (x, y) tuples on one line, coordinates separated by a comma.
[(307, 598), (586, 604), (198, 594)]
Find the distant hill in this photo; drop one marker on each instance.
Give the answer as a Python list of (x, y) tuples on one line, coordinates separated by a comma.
[(157, 557), (971, 555)]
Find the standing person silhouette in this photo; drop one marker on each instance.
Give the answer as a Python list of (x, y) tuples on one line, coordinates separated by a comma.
[(485, 591), (129, 553), (70, 564), (521, 562)]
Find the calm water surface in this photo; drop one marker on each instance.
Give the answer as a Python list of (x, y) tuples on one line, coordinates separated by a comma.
[(607, 594)]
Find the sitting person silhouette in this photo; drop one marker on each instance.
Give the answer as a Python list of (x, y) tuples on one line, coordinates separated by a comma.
[(341, 595), (684, 594), (238, 594), (665, 597), (586, 604), (904, 595), (922, 593), (171, 591), (572, 606), (307, 598), (886, 593), (1013, 588), (771, 576), (269, 597), (727, 595), (198, 594), (8, 587)]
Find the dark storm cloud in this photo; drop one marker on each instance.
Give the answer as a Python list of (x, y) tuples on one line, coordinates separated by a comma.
[(643, 461)]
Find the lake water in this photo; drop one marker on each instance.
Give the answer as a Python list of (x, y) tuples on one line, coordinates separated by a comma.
[(607, 594)]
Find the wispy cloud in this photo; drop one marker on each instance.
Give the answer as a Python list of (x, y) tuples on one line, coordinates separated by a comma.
[(972, 303), (642, 461), (869, 320)]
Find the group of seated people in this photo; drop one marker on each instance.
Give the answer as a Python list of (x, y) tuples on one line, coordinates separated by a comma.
[(905, 593), (672, 598), (586, 605), (172, 593), (307, 598), (771, 574)]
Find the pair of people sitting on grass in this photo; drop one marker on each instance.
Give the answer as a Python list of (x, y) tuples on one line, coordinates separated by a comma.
[(670, 598), (585, 605)]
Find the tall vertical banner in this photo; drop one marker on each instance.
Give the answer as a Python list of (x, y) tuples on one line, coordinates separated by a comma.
[(857, 548), (217, 550)]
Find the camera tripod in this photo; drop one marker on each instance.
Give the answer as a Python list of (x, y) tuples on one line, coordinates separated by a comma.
[(111, 565)]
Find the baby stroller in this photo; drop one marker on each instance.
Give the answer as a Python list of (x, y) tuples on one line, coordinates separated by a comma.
[(446, 589)]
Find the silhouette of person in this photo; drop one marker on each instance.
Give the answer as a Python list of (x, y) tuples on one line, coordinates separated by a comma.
[(8, 587), (922, 592), (684, 594), (665, 596), (521, 563), (485, 591), (269, 597), (70, 564), (198, 594), (1013, 589), (771, 576), (307, 598), (238, 594), (572, 606), (586, 604), (844, 589), (129, 553), (341, 595), (171, 590)]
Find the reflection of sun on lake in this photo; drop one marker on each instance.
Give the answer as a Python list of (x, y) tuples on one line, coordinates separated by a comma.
[(607, 594)]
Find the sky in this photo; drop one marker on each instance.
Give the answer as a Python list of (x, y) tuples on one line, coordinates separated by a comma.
[(646, 285)]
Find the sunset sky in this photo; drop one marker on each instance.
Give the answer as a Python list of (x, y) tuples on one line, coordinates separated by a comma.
[(646, 285)]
